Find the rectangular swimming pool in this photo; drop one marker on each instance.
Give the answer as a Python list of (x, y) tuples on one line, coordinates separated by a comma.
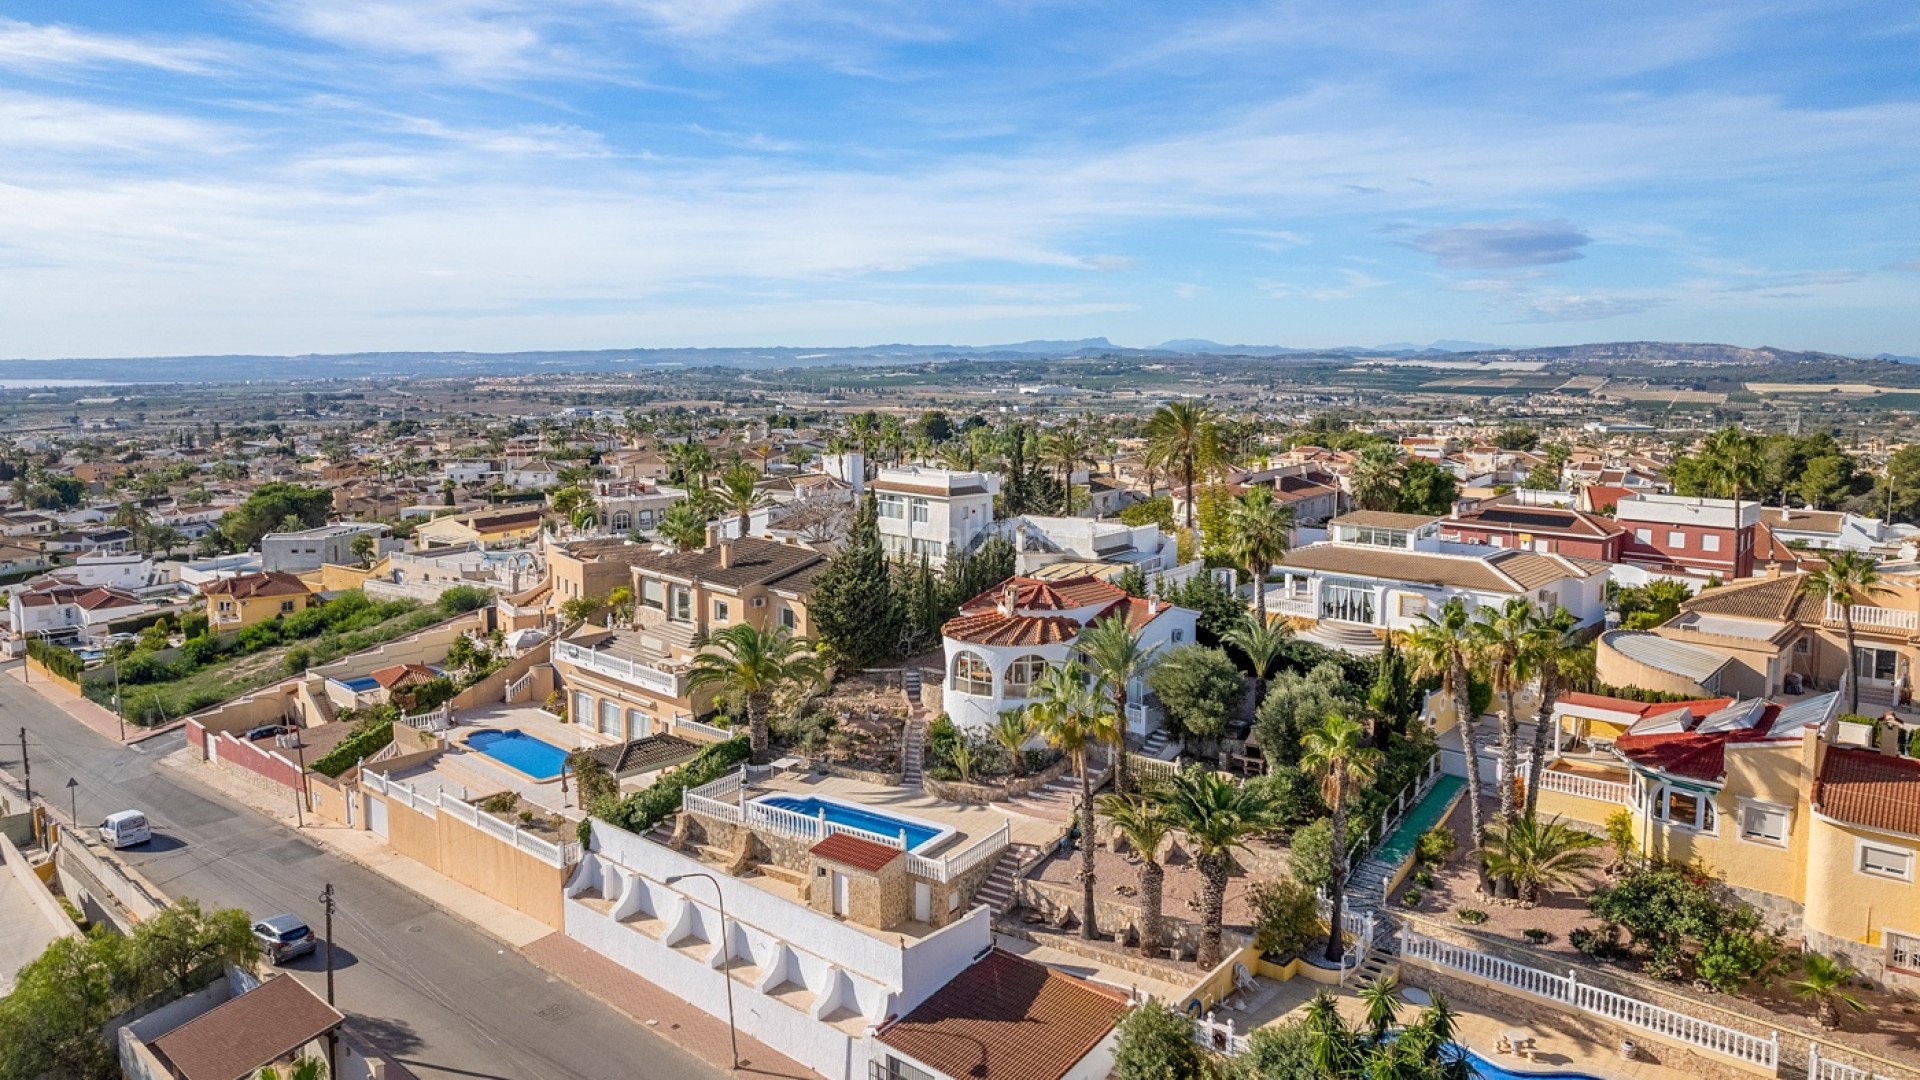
[(361, 684), (921, 835), (520, 752)]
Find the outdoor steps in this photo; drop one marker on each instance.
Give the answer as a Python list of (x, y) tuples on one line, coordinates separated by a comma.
[(910, 768), (997, 891), (1156, 743), (910, 685), (1350, 639), (1054, 802)]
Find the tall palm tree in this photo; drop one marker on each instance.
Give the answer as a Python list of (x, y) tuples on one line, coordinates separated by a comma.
[(684, 526), (755, 665), (1262, 642), (1069, 711), (1146, 823), (737, 489), (1374, 478), (1552, 646), (1823, 981), (1181, 436), (1259, 532), (1848, 578), (1218, 817), (1113, 652), (1337, 753), (1502, 637), (1065, 448), (1012, 731), (1538, 855), (1442, 646), (1735, 467)]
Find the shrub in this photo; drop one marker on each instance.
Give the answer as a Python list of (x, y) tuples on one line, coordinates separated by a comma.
[(298, 660), (432, 693), (361, 744), (501, 802), (1295, 794), (1435, 845), (1156, 1043), (1620, 834), (1600, 944), (1411, 898), (1309, 858), (62, 662), (1535, 935), (1285, 916), (257, 637), (1470, 916), (193, 624), (142, 668), (200, 650), (463, 598), (1198, 687), (644, 809)]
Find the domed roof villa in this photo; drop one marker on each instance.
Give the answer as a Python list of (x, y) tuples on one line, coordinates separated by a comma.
[(1003, 640)]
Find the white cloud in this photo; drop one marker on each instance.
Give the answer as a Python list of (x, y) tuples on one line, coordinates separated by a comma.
[(1499, 245), (38, 48)]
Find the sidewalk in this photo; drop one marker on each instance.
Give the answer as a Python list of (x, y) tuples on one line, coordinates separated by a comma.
[(100, 719), (672, 1018)]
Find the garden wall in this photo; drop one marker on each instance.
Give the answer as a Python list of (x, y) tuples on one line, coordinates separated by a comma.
[(982, 794), (493, 688), (1112, 917)]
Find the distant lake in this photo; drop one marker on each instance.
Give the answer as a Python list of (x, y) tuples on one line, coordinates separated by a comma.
[(52, 384)]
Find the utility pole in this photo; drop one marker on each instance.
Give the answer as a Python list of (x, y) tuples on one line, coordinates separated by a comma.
[(26, 766), (300, 788), (119, 710), (333, 1037)]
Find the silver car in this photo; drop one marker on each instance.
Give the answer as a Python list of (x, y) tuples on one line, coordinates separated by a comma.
[(284, 937)]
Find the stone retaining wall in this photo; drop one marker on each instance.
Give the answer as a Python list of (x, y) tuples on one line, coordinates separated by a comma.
[(1112, 917), (981, 794)]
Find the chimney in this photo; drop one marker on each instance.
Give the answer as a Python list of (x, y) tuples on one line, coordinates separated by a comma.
[(726, 554), (1153, 603), (376, 1069), (1773, 569), (1889, 732), (1007, 598)]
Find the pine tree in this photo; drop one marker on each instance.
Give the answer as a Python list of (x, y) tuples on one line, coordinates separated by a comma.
[(925, 605), (853, 604)]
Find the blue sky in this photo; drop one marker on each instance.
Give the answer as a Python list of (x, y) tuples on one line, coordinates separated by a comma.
[(291, 176)]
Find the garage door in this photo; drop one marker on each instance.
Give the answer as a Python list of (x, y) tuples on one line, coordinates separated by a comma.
[(377, 816)]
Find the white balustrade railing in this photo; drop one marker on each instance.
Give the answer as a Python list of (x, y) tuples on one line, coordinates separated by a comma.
[(1819, 1068), (698, 804), (1874, 618), (659, 680), (1151, 768), (554, 854), (1569, 990), (1402, 805), (431, 720), (690, 726), (1587, 787), (951, 867), (1364, 930), (1219, 1035), (518, 687)]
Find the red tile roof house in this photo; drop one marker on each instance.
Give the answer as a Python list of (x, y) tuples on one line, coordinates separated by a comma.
[(1005, 1018), (1007, 637), (278, 1021)]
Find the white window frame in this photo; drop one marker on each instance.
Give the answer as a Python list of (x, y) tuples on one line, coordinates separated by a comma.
[(1860, 847), (609, 718), (1704, 809), (1785, 813), (974, 682), (1710, 542), (653, 594), (1676, 539), (1022, 673), (722, 611), (1643, 536), (892, 506), (920, 511), (1904, 955)]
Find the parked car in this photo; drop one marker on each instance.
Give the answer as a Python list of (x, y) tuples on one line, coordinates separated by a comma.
[(125, 829), (284, 937), (268, 731)]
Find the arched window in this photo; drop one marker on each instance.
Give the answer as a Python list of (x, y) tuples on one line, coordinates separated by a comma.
[(1023, 673), (971, 675), (622, 521)]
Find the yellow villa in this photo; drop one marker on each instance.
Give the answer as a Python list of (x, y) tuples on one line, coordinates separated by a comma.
[(245, 600)]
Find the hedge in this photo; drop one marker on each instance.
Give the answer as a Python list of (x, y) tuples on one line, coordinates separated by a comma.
[(361, 744), (644, 809), (61, 661)]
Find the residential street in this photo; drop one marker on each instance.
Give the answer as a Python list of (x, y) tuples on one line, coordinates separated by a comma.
[(442, 997)]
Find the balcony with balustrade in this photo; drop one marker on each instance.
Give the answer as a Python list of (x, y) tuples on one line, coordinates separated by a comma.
[(620, 656)]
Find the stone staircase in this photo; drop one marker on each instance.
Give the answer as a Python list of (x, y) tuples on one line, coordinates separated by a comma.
[(997, 891), (915, 753), (1054, 802), (1155, 745), (910, 686)]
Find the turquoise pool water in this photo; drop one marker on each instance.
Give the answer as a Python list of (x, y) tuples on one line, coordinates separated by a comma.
[(856, 818), (1487, 1070), (518, 750)]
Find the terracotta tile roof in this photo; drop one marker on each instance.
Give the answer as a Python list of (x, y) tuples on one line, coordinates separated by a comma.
[(269, 583), (399, 675), (992, 628), (257, 1028), (868, 855), (1870, 789), (1823, 521), (1501, 571), (644, 754), (1700, 755), (1598, 497), (1384, 519), (86, 597), (1007, 1018), (1767, 598), (1577, 699), (750, 561), (1065, 594)]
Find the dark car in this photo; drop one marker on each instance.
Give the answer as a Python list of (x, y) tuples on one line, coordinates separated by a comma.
[(284, 937), (268, 731)]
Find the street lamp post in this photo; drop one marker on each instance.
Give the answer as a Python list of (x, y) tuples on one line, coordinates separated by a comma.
[(733, 1037), (73, 800)]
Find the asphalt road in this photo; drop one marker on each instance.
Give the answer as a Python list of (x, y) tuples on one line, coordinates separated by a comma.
[(445, 999)]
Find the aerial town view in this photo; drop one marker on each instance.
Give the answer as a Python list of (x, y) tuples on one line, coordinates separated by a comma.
[(791, 539)]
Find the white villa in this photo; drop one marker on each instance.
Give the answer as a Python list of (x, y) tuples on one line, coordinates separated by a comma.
[(933, 511), (1382, 571), (1005, 639)]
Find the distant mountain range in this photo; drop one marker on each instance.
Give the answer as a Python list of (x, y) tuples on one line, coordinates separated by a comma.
[(201, 369)]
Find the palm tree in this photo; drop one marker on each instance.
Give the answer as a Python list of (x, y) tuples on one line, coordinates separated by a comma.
[(684, 526), (306, 1068), (1262, 643), (1538, 855), (755, 665), (1383, 1006), (1374, 478), (130, 516), (1218, 817), (1734, 466), (1113, 651), (1501, 637), (1823, 981), (1181, 435), (1146, 824), (737, 489), (1012, 731), (1065, 448), (1071, 715), (1551, 644), (1337, 753), (1848, 578), (1441, 646), (1259, 532)]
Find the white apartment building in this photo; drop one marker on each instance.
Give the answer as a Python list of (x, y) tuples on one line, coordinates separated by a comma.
[(933, 511), (310, 549)]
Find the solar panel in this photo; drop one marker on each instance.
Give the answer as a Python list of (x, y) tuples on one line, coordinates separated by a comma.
[(1527, 518)]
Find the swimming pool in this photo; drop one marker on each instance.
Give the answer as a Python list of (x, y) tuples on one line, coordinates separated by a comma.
[(360, 685), (520, 752), (1487, 1070), (921, 835)]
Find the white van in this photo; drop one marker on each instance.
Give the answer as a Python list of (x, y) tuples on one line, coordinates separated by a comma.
[(125, 829)]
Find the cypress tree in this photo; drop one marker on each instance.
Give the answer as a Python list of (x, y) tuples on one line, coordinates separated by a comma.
[(853, 603)]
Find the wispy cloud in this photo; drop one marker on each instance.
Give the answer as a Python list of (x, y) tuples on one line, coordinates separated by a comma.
[(41, 48), (1501, 244)]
